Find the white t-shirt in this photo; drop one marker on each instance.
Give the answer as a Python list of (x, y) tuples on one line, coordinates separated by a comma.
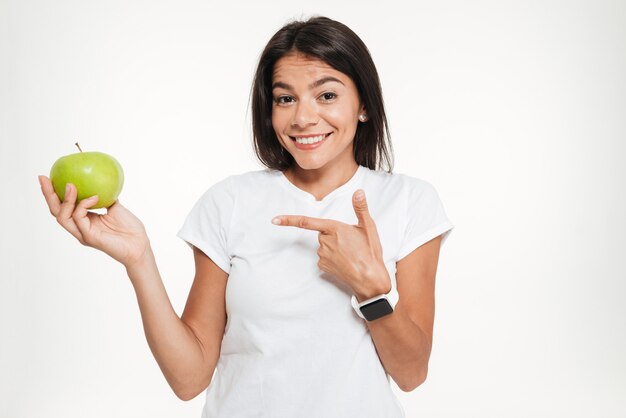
[(293, 345)]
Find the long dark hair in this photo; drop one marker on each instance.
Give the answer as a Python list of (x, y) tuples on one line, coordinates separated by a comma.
[(338, 46)]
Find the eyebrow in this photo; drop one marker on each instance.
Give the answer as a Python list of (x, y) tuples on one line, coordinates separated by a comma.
[(323, 80)]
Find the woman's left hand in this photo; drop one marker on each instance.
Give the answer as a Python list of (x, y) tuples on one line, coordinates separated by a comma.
[(351, 253)]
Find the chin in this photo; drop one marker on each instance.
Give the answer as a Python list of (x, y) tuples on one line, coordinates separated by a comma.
[(307, 164)]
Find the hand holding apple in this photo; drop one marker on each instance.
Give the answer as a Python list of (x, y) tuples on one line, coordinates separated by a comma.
[(118, 233), (93, 173)]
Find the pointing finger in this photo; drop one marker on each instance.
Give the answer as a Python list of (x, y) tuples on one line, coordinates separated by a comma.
[(359, 202), (305, 222)]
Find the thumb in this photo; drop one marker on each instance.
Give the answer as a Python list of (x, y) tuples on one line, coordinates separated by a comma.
[(360, 208)]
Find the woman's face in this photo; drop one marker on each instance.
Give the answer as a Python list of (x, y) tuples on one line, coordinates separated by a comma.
[(315, 111)]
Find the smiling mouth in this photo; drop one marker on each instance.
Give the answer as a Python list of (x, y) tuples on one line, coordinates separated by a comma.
[(309, 139)]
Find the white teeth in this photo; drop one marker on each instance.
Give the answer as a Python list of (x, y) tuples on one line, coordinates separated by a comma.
[(310, 140)]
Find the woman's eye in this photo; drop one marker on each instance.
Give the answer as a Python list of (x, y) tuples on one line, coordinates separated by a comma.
[(284, 100), (328, 96)]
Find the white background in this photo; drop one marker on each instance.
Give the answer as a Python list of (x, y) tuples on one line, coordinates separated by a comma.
[(514, 111)]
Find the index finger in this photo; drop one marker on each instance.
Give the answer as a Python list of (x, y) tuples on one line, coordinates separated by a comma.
[(305, 222), (54, 204)]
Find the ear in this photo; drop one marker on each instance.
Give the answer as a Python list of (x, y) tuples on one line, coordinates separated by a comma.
[(363, 116)]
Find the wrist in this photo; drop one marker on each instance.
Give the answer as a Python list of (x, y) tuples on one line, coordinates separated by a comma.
[(372, 292), (378, 284), (141, 263)]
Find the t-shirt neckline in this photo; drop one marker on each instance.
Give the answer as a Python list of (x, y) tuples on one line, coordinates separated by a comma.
[(309, 197)]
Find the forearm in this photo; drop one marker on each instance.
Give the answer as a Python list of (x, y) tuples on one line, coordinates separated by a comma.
[(403, 348), (171, 341)]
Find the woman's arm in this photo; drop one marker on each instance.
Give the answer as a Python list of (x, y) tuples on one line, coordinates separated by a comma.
[(353, 254), (187, 349), (404, 338)]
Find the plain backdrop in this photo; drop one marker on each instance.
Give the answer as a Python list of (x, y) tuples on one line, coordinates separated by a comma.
[(514, 110)]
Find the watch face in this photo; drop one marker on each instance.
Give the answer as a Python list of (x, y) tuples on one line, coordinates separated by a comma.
[(376, 309)]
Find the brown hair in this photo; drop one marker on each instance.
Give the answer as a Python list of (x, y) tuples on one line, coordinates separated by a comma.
[(338, 46)]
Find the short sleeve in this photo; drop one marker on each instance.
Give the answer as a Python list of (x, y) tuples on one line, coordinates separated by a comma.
[(426, 218), (207, 225)]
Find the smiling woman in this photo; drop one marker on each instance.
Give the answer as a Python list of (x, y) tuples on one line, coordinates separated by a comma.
[(315, 276), (337, 49), (315, 108)]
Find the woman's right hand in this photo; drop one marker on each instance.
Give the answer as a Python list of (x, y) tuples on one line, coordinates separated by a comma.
[(118, 233)]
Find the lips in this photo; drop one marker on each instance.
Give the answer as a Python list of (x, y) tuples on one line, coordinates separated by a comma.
[(307, 142), (309, 139)]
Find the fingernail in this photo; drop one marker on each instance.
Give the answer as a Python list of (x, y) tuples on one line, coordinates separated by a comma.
[(67, 188), (359, 195), (276, 221)]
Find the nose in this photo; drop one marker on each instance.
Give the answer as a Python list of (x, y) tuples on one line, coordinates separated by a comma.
[(305, 115)]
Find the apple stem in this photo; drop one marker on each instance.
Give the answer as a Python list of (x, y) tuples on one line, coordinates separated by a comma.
[(78, 147)]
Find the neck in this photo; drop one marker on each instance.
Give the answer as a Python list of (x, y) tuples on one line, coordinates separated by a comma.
[(321, 181)]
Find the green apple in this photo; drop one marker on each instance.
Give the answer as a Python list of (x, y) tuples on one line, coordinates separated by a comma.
[(93, 173)]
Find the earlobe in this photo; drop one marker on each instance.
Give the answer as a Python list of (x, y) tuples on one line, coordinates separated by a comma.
[(363, 116)]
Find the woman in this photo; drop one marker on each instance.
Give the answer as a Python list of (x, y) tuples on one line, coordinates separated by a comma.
[(315, 276)]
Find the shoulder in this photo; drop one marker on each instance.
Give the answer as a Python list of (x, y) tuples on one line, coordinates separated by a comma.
[(232, 185), (253, 178), (397, 183)]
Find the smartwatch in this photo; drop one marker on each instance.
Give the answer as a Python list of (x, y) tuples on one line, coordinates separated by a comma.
[(376, 307)]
